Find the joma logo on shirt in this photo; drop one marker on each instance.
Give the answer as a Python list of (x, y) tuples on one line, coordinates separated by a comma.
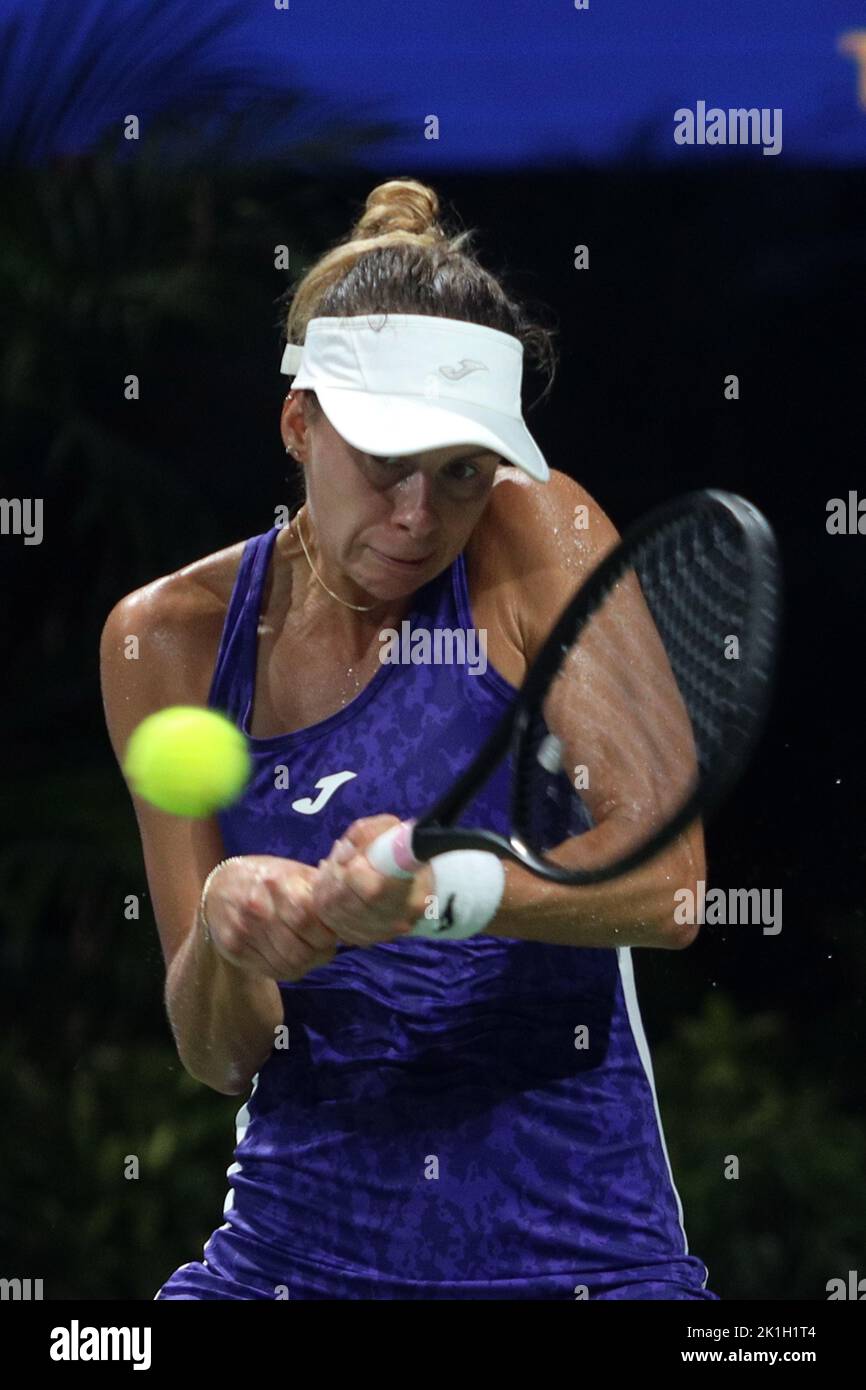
[(326, 786)]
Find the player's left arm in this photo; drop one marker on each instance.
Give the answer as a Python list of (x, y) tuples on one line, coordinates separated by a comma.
[(552, 537)]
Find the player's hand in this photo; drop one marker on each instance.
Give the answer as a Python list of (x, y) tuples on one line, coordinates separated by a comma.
[(261, 918), (358, 903)]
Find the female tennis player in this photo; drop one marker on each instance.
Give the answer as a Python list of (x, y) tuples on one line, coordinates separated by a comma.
[(425, 1119)]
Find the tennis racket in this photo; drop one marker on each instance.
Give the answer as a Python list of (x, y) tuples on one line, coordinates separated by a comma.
[(641, 710)]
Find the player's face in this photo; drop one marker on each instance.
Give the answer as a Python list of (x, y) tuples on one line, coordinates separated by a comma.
[(393, 524)]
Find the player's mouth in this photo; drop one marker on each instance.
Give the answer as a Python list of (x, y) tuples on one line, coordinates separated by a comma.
[(398, 563)]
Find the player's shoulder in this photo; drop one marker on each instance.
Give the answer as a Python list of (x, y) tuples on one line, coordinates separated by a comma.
[(194, 594), (536, 546), (159, 643), (529, 526)]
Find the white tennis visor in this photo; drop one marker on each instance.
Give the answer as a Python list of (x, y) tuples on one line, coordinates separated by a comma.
[(394, 384)]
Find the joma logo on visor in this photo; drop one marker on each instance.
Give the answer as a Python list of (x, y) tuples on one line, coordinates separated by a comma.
[(464, 367)]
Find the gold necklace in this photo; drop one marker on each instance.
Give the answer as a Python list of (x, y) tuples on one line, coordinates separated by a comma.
[(358, 607)]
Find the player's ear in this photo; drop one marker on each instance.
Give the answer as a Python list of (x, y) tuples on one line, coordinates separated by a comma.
[(293, 424)]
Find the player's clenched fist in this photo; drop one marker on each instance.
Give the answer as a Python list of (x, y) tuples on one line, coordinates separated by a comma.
[(261, 920), (363, 906)]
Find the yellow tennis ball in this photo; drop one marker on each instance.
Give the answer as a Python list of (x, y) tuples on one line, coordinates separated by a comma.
[(187, 760)]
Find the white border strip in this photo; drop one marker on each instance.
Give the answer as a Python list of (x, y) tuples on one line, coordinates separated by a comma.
[(626, 974)]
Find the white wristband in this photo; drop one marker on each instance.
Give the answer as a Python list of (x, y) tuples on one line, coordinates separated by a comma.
[(468, 885)]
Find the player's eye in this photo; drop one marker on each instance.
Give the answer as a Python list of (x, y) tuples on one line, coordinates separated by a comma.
[(464, 477), (459, 471)]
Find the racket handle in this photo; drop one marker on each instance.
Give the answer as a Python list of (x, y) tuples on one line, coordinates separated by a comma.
[(392, 853)]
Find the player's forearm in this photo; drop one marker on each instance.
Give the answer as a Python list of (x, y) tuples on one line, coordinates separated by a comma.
[(223, 1020), (636, 909)]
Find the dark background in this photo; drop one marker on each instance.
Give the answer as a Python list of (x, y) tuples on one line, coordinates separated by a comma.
[(111, 266)]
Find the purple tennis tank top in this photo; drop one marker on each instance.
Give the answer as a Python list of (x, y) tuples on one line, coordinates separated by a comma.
[(433, 1127)]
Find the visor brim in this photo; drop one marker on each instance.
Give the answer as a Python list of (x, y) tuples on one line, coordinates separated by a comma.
[(401, 425)]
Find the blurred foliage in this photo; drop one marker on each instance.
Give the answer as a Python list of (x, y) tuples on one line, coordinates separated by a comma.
[(137, 258), (69, 1213), (735, 1084)]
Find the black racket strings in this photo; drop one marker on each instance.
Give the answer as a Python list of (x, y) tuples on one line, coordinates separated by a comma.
[(703, 582)]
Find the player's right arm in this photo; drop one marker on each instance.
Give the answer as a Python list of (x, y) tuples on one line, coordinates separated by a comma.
[(222, 997)]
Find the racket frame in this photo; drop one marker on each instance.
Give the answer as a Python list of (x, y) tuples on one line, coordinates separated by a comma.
[(434, 833)]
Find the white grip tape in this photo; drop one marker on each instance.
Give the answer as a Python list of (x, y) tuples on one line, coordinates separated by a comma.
[(392, 854), (468, 884)]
